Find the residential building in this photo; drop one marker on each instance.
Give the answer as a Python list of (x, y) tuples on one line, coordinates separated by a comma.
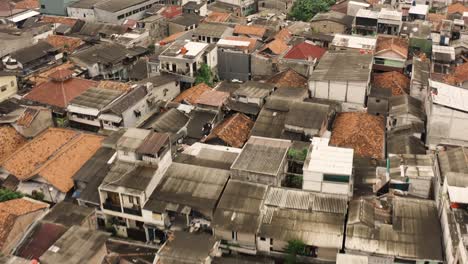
[(270, 169), (331, 22), (211, 33), (184, 22), (352, 42), (234, 58), (419, 35), (108, 61), (380, 218), (245, 7), (8, 85), (328, 169), (343, 76), (347, 132), (184, 59), (446, 115), (47, 163), (365, 22), (285, 218), (250, 97), (389, 22), (17, 216), (142, 159), (54, 7), (390, 54), (302, 57), (117, 11), (418, 12), (420, 75), (233, 131), (406, 111), (83, 9), (195, 7), (443, 58), (77, 245)]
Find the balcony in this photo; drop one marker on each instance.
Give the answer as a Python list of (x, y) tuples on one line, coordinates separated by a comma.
[(132, 211), (112, 207)]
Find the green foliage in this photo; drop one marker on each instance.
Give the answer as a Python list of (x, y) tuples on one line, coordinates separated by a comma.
[(61, 122), (293, 181), (304, 10), (151, 48), (432, 10), (204, 75), (37, 195), (295, 247), (6, 195), (296, 154)]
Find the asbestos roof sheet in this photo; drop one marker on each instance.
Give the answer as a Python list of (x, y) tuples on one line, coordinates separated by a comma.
[(343, 66), (96, 98), (262, 155)]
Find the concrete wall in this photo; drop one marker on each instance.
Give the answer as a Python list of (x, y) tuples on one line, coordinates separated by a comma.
[(165, 92), (342, 91), (135, 12), (261, 66), (446, 126), (55, 7), (82, 13), (327, 27), (42, 121), (129, 117), (8, 87)]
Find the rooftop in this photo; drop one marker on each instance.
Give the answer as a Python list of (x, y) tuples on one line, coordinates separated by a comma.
[(131, 176), (217, 17), (187, 248), (395, 44), (182, 49), (188, 186), (212, 97), (68, 214), (396, 81), (11, 141), (262, 155), (449, 96), (343, 66), (117, 5), (360, 131), (354, 42), (211, 30), (257, 31), (68, 44), (97, 98), (187, 19), (234, 130), (239, 207), (305, 51), (335, 17), (254, 89), (77, 245), (288, 78), (191, 95)]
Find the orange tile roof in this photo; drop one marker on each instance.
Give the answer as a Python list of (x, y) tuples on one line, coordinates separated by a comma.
[(191, 95), (10, 141), (60, 170), (171, 38), (288, 78), (113, 85), (234, 130), (32, 156), (436, 20), (212, 98), (250, 30), (360, 131), (42, 77), (456, 8), (276, 47), (58, 93), (68, 44), (59, 20), (11, 210), (252, 45), (459, 75), (396, 81), (218, 17), (284, 34), (27, 4), (395, 44)]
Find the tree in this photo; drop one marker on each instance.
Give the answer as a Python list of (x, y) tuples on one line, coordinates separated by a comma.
[(6, 195), (304, 10), (204, 75), (295, 247)]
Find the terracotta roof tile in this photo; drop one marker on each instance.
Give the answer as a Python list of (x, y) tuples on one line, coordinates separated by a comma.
[(305, 50), (275, 47), (171, 38), (191, 95), (284, 34), (10, 141), (288, 78), (395, 44), (361, 131), (459, 76), (234, 130), (59, 20), (42, 77), (212, 98), (60, 170), (68, 44), (250, 30), (11, 210), (456, 8), (32, 156), (396, 81), (113, 85), (436, 20), (172, 11), (218, 17), (28, 116), (27, 4), (58, 93)]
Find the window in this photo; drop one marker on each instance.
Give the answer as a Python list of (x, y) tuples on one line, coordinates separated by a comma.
[(130, 199), (262, 239), (3, 88), (234, 235), (42, 6), (335, 178), (125, 153), (165, 92), (12, 83), (120, 17)]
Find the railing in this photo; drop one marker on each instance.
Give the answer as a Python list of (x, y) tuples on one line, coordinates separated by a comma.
[(132, 211), (112, 207)]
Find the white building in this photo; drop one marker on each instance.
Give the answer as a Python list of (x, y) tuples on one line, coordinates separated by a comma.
[(117, 11), (328, 169)]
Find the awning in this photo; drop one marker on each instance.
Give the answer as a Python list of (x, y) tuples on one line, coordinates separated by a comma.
[(111, 118), (23, 16), (82, 110)]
